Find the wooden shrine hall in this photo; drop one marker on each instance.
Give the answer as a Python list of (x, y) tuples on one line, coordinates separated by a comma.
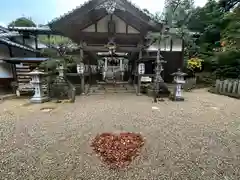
[(112, 33)]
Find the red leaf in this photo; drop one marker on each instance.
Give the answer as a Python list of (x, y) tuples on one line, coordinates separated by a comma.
[(118, 151)]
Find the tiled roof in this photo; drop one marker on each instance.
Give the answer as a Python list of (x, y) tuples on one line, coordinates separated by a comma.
[(11, 43), (9, 34), (87, 2), (69, 12), (4, 38), (30, 28), (27, 59), (3, 30)]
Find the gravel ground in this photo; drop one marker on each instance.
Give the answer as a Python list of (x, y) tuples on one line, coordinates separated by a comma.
[(195, 139)]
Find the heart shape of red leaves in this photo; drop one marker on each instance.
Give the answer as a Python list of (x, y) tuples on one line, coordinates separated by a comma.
[(117, 151)]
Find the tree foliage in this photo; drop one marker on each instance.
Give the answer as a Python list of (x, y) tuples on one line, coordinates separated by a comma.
[(22, 22), (230, 35), (218, 26), (58, 49), (178, 12), (218, 23)]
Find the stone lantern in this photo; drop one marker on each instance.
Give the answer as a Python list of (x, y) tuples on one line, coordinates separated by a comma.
[(179, 81), (37, 82)]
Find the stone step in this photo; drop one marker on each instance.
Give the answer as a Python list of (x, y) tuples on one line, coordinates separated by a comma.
[(115, 88), (110, 92), (101, 90), (112, 83)]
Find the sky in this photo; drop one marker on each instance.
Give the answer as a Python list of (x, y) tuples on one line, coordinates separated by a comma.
[(44, 11)]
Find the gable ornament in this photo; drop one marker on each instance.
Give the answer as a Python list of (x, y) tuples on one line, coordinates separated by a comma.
[(110, 6)]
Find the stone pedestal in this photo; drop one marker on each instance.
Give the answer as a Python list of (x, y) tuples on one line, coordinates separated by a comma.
[(80, 71), (37, 81), (179, 81), (177, 95)]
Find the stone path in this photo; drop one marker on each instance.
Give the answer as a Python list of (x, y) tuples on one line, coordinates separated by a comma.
[(195, 139)]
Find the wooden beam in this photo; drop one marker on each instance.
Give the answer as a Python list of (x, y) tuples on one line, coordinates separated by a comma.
[(147, 58), (101, 35), (139, 77), (102, 38), (115, 55), (103, 49)]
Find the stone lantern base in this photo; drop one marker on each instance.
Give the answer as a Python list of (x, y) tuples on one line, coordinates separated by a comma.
[(176, 98), (39, 99)]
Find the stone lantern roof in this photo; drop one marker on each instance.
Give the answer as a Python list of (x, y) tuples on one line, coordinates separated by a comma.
[(36, 72), (179, 73)]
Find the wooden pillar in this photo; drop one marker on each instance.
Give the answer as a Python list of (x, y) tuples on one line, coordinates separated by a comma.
[(89, 73), (139, 76), (134, 71), (23, 39), (49, 43), (14, 72), (171, 44), (81, 61), (183, 46), (36, 42), (121, 68), (105, 68)]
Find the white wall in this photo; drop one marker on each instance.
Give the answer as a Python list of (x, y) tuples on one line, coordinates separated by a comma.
[(30, 42), (17, 52), (166, 46), (177, 45), (102, 26), (5, 68)]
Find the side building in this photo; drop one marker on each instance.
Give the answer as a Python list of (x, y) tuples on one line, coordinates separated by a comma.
[(15, 46)]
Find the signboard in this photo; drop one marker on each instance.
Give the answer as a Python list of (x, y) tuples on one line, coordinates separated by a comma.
[(141, 68), (146, 79), (80, 68)]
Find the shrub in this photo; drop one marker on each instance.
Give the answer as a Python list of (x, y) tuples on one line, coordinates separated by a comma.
[(228, 64)]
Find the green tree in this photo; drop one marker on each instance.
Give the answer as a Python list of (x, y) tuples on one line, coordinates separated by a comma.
[(178, 12), (230, 35), (218, 25), (58, 49), (22, 22), (208, 21)]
